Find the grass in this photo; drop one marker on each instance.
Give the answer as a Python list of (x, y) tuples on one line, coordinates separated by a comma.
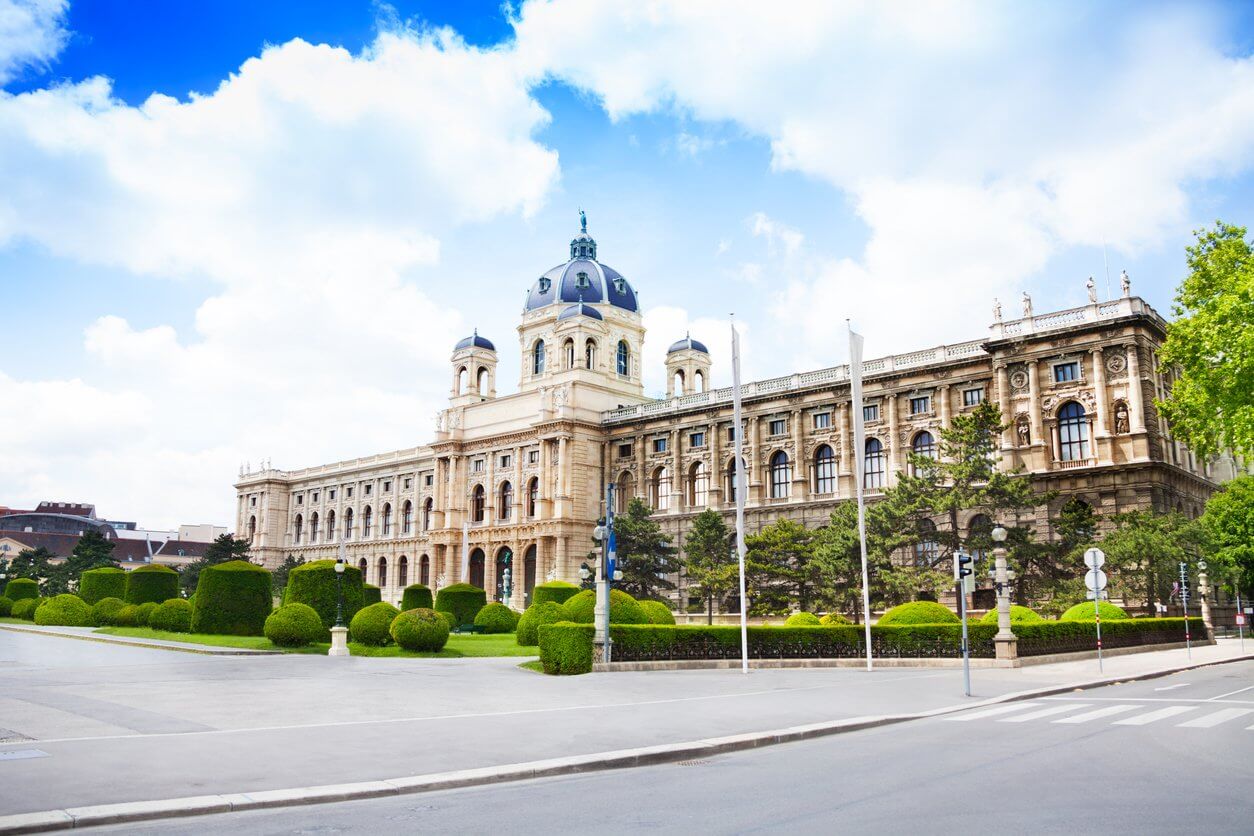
[(533, 665), (471, 644)]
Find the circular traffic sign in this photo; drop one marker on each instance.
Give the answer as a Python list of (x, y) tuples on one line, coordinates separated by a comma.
[(1094, 557), (1095, 579), (1201, 564)]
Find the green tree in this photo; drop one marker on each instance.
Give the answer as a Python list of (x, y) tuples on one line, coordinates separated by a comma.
[(645, 555), (278, 578), (91, 551), (781, 570), (1229, 524), (1144, 551), (225, 548), (33, 564), (1052, 571), (1211, 344), (712, 569)]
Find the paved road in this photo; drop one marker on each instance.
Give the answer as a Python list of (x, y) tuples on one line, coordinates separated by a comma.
[(1171, 755)]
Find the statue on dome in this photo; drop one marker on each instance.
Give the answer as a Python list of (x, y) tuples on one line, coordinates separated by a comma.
[(1125, 284), (583, 222)]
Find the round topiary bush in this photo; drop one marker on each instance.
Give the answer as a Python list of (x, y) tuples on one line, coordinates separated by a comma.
[(417, 596), (105, 612), (294, 625), (6, 607), (556, 591), (546, 612), (233, 599), (370, 594), (581, 608), (174, 616), (462, 600), (495, 618), (449, 619), (105, 582), (144, 611), (64, 611), (918, 612), (656, 612), (832, 619), (1018, 615), (1084, 612), (314, 584), (421, 630), (128, 616), (152, 582), (25, 608), (802, 619), (19, 588), (371, 624)]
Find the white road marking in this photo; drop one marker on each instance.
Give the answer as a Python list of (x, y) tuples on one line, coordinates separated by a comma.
[(1230, 693), (1098, 714), (1215, 719), (1044, 712), (991, 712), (1154, 716), (1144, 699), (1170, 687)]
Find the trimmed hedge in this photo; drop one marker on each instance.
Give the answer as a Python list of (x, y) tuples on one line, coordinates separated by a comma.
[(174, 616), (566, 648), (152, 582), (95, 585), (128, 616), (546, 612), (449, 619), (314, 584), (232, 599), (417, 596), (802, 619), (1046, 637), (294, 625), (581, 608), (19, 588), (1084, 612), (421, 630), (496, 618), (64, 611), (6, 607), (919, 612), (656, 612), (144, 611), (462, 600), (1018, 615), (105, 612), (556, 591), (833, 618), (25, 608), (371, 624), (370, 594)]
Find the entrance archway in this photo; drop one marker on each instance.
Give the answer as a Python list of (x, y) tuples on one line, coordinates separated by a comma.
[(529, 574), (504, 560), (476, 568)]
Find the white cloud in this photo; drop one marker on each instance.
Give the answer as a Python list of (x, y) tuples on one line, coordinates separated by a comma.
[(32, 34), (780, 238), (665, 324)]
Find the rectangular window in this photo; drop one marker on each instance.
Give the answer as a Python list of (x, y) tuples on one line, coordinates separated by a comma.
[(918, 406), (659, 445), (330, 495), (476, 466), (731, 434), (387, 486), (252, 500), (348, 493), (1066, 372), (300, 500), (369, 488), (696, 440), (971, 397), (506, 460), (822, 420), (624, 451), (778, 426), (409, 483), (871, 412), (428, 479), (533, 456)]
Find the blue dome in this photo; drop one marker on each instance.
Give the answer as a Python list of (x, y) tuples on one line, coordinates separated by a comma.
[(582, 279), (580, 310), (475, 341), (688, 343)]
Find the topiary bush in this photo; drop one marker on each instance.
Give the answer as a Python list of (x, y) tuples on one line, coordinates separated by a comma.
[(421, 630), (174, 616), (1018, 615), (95, 585), (566, 648), (294, 625), (152, 582), (417, 596), (6, 607), (64, 611), (546, 612), (1084, 612), (802, 619), (25, 608), (19, 588), (656, 612), (462, 600), (918, 612), (832, 619), (144, 611), (556, 591), (233, 599), (581, 608), (105, 611), (496, 618), (370, 594), (128, 616), (371, 624), (314, 584), (449, 619)]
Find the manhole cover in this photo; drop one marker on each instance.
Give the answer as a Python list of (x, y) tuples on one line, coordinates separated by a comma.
[(22, 754)]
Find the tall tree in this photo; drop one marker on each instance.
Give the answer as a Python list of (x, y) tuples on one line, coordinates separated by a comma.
[(92, 551), (1229, 524), (1050, 573), (33, 564), (781, 568), (1211, 343), (1144, 551), (712, 571), (223, 549), (645, 555), (278, 578)]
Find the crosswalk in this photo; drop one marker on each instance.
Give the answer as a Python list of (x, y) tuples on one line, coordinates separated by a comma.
[(1196, 716)]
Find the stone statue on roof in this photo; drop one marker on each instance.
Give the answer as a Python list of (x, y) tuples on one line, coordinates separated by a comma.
[(583, 222)]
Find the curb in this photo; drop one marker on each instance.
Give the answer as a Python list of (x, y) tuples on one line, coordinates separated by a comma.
[(127, 641), (103, 814)]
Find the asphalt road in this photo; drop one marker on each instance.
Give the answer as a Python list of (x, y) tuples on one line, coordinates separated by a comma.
[(1170, 755)]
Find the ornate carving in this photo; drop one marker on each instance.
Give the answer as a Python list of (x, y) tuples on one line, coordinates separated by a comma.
[(1121, 418), (1023, 430), (1117, 363), (561, 395), (1019, 380)]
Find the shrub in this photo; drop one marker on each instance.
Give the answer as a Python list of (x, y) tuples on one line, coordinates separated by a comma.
[(421, 630), (417, 596), (546, 612), (106, 582), (802, 619), (566, 648), (832, 619), (371, 624), (656, 612), (25, 608), (314, 584), (294, 625), (128, 616), (174, 616), (105, 612), (152, 582), (462, 600), (449, 619), (1046, 637), (556, 591), (144, 611), (581, 608), (496, 618), (19, 588), (1018, 615), (6, 607), (1084, 612), (370, 594), (918, 612), (232, 599), (64, 611)]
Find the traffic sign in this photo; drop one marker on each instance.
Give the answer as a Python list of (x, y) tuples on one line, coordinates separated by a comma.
[(1095, 580), (1249, 610), (1094, 557), (1240, 620)]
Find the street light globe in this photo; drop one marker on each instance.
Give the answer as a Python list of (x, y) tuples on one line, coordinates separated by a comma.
[(339, 567), (999, 534)]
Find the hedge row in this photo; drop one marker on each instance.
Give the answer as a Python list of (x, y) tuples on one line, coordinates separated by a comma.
[(314, 584), (95, 585), (462, 600), (154, 582), (1046, 637), (232, 599)]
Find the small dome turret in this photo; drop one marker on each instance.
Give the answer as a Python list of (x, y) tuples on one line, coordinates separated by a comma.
[(475, 341), (688, 344)]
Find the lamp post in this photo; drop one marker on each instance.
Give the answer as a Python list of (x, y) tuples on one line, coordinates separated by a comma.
[(1007, 646), (1203, 598), (339, 633)]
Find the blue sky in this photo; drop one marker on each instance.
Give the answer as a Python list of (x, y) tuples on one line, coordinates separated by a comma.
[(219, 217)]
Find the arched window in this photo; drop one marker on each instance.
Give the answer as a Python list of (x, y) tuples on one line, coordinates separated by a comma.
[(402, 572), (424, 570), (504, 563), (407, 516), (348, 524), (623, 359), (679, 382), (506, 499), (661, 489), (330, 525), (923, 445), (463, 377), (699, 485), (537, 357), (698, 381), (533, 496), (313, 528), (568, 348), (476, 504), (481, 381), (382, 577), (781, 475), (387, 519), (1073, 437), (590, 354), (529, 574), (476, 568), (926, 550), (427, 508), (298, 525), (626, 490), (252, 528), (824, 470), (364, 567), (367, 519), (732, 483), (873, 464)]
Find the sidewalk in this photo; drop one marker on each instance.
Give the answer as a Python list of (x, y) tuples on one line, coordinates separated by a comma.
[(90, 634)]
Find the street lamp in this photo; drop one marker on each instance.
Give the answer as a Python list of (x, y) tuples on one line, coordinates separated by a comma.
[(1004, 642), (339, 593), (339, 633)]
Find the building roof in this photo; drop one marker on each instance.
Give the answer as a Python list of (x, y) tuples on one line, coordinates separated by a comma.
[(582, 279), (74, 509), (475, 341), (686, 344), (124, 551), (580, 310)]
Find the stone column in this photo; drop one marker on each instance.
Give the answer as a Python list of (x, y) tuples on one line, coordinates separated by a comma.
[(1005, 643), (563, 460), (561, 560), (1135, 395), (1203, 597), (801, 465), (1003, 402), (752, 471), (642, 460), (1034, 406), (716, 468), (520, 490), (679, 479), (943, 395), (890, 478), (846, 463), (1102, 424)]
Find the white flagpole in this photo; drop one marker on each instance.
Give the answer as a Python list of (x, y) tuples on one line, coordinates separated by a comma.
[(859, 458), (740, 499), (465, 578)]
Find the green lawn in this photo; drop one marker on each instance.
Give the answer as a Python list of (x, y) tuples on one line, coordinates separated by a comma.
[(471, 644)]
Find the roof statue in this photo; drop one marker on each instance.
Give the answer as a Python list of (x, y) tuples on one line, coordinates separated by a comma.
[(1092, 288), (583, 222)]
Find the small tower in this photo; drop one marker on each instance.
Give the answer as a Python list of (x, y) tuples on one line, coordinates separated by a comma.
[(687, 368), (474, 370)]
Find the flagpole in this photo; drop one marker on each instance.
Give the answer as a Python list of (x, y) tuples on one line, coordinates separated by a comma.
[(740, 498), (859, 459), (465, 578)]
